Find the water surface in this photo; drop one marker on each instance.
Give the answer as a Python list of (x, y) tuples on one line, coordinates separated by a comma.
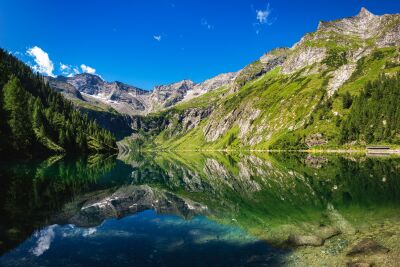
[(179, 209)]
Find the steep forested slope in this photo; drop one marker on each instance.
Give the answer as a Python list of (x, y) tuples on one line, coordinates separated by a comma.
[(375, 114), (37, 120)]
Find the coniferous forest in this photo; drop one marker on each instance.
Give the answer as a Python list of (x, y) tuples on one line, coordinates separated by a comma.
[(375, 113), (36, 120)]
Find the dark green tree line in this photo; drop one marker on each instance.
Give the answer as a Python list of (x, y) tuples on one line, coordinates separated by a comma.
[(34, 119), (375, 114)]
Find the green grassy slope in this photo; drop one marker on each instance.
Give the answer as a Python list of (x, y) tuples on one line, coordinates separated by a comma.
[(289, 99), (291, 108)]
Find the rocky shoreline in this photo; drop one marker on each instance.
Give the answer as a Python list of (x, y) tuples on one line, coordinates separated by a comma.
[(375, 245)]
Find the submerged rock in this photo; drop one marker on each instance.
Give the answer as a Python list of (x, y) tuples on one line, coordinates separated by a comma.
[(358, 264), (305, 240), (367, 246), (327, 232), (316, 239)]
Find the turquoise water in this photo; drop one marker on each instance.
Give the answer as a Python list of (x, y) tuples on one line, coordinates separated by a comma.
[(196, 209), (144, 239)]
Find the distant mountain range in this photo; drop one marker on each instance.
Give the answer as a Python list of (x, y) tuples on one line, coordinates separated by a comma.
[(291, 97), (131, 100)]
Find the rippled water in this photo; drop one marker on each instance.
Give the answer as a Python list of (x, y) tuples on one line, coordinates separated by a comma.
[(180, 209)]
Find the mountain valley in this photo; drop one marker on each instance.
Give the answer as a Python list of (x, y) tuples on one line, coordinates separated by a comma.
[(289, 98)]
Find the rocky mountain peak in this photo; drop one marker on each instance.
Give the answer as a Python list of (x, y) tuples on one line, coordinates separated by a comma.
[(215, 82), (87, 77), (364, 25), (177, 86), (364, 13)]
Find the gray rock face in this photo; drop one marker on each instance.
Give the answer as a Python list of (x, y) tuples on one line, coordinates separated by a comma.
[(390, 37), (164, 96), (215, 82), (210, 85), (339, 77), (384, 30), (60, 85), (364, 25), (122, 97), (305, 57), (192, 117), (266, 63), (174, 123), (274, 58), (241, 116), (130, 100)]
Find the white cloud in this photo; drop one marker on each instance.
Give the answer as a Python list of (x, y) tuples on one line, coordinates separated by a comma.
[(69, 70), (157, 37), (45, 237), (72, 72), (87, 69), (207, 25), (16, 53), (64, 67), (262, 15), (43, 63)]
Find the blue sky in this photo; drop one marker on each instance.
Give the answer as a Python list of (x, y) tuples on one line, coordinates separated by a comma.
[(146, 43)]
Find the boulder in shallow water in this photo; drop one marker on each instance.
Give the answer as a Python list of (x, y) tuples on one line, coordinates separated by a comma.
[(359, 264), (367, 246), (327, 232), (305, 240), (316, 239)]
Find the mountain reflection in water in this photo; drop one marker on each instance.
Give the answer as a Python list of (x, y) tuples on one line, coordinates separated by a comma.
[(178, 208)]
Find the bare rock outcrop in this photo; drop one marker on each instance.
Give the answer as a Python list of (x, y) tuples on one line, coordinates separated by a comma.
[(340, 76), (303, 57), (242, 116)]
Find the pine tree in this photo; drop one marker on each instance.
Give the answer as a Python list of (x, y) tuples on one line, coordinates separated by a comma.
[(347, 100), (15, 104)]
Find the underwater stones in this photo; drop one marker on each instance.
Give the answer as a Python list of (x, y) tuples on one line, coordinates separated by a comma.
[(336, 246), (358, 264), (316, 239), (367, 246), (327, 232), (305, 240)]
